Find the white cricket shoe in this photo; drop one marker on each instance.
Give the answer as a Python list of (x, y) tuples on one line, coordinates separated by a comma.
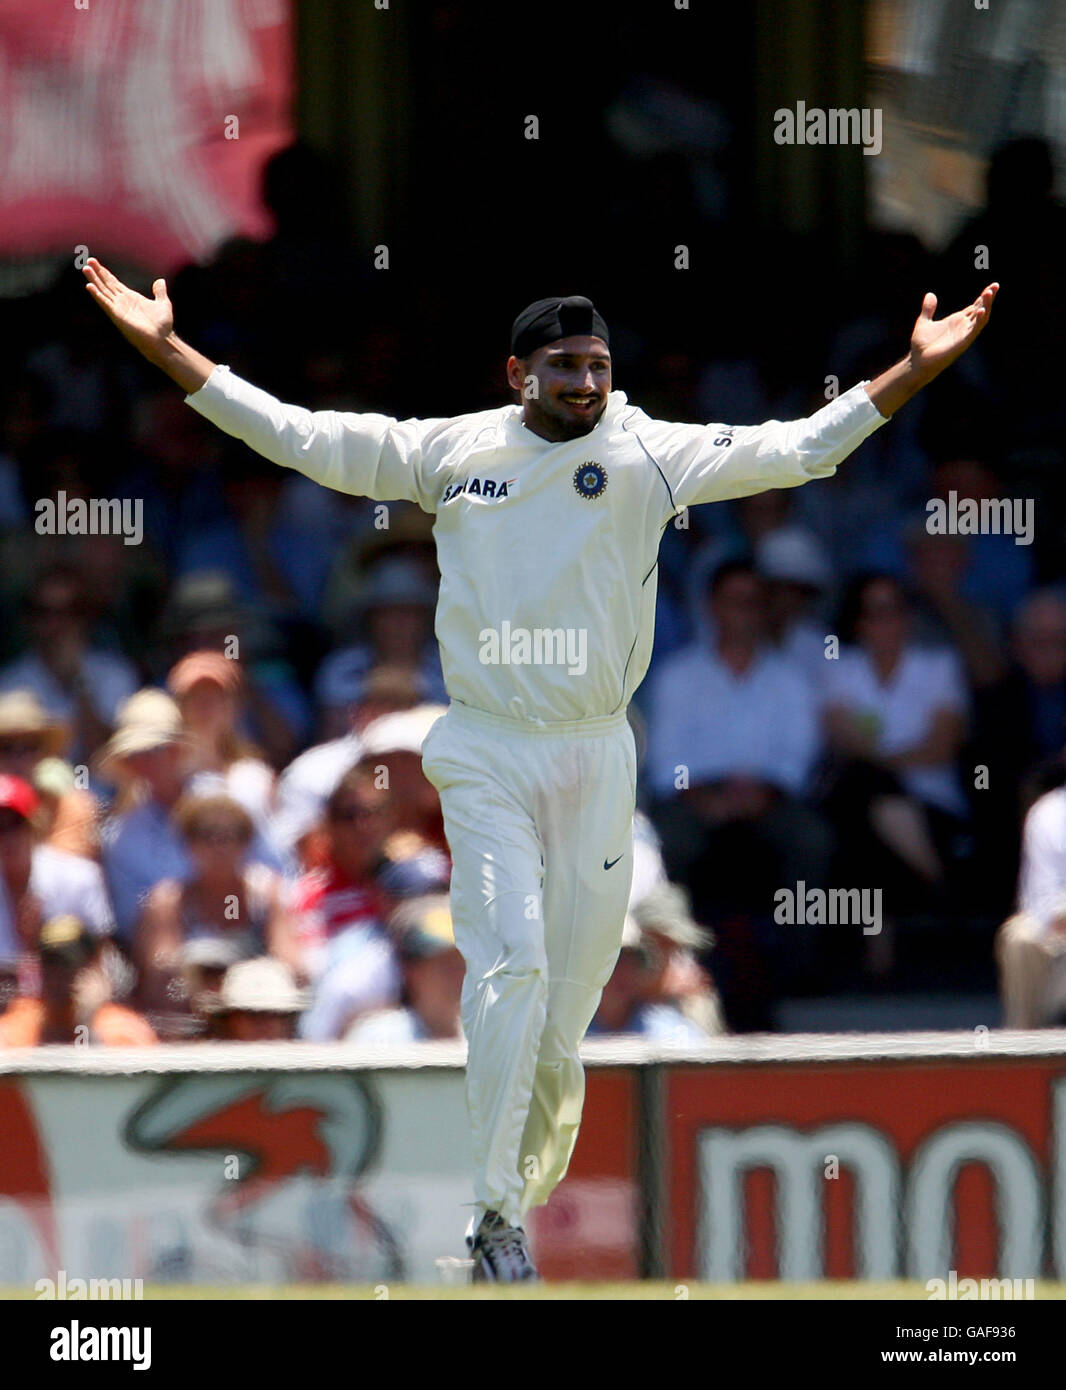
[(500, 1252)]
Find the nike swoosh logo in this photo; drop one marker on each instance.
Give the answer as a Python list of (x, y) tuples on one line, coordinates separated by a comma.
[(612, 863)]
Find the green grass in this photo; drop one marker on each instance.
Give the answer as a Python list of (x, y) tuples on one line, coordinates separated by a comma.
[(663, 1291)]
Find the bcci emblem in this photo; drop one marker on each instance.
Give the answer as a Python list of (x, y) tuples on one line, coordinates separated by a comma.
[(590, 480)]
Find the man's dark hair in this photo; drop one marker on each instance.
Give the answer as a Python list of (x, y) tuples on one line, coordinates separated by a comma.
[(854, 595), (727, 570)]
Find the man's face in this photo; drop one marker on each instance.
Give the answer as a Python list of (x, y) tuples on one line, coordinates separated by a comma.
[(358, 827), (59, 979), (1040, 642), (16, 845), (20, 754), (255, 1025), (57, 613), (568, 393), (435, 987), (161, 768), (738, 606)]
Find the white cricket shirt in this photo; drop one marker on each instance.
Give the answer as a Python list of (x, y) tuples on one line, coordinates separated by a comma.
[(547, 551)]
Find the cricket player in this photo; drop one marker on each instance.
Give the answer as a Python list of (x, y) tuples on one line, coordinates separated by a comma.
[(548, 515)]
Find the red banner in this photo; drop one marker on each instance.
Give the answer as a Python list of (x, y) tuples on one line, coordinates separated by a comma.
[(877, 1171), (138, 128)]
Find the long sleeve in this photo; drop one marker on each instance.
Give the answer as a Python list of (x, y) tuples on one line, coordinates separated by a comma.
[(712, 463), (364, 454)]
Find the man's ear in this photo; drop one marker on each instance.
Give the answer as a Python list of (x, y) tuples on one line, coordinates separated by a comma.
[(516, 373)]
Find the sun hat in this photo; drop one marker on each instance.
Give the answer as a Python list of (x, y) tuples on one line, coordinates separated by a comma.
[(22, 713)]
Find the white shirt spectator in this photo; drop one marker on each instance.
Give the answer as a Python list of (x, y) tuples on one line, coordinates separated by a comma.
[(306, 785), (360, 974), (716, 724), (63, 884), (926, 680), (1042, 876)]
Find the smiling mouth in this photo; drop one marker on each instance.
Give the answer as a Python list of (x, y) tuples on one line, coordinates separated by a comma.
[(585, 403)]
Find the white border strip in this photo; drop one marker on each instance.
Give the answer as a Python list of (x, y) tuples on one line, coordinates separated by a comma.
[(759, 1048)]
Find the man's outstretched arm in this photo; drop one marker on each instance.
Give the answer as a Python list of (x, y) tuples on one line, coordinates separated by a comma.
[(935, 344), (148, 324), (363, 454)]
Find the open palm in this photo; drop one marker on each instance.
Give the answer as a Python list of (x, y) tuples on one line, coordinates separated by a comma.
[(935, 343), (145, 322)]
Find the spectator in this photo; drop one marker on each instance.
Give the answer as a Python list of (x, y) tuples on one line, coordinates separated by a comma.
[(732, 737), (203, 963), (407, 538), (139, 844), (208, 690), (896, 716), (258, 1002), (224, 897), (39, 882), (173, 470), (396, 617), (433, 973), (306, 783), (204, 615), (23, 422), (77, 684), (392, 747), (797, 576), (341, 910), (1031, 944), (31, 743), (997, 570), (673, 942), (631, 1002), (1021, 720), (943, 615), (739, 717), (71, 1004), (271, 564), (648, 868), (989, 572)]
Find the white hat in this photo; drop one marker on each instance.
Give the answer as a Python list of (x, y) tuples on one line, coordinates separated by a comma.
[(665, 909), (147, 719), (397, 581), (403, 732), (794, 556), (631, 933), (263, 985)]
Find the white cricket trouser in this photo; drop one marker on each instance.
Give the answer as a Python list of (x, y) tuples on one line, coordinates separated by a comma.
[(532, 814)]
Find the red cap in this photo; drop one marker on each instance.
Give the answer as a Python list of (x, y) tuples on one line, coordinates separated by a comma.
[(17, 795), (203, 666)]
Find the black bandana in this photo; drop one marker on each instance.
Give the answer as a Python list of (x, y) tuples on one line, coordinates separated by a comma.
[(547, 320)]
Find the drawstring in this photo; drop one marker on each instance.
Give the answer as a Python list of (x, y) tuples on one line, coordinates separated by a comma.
[(520, 713)]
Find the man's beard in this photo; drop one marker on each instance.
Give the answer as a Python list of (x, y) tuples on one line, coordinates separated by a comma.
[(573, 427)]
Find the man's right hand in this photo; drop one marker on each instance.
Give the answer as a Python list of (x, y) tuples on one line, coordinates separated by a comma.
[(145, 322), (148, 324)]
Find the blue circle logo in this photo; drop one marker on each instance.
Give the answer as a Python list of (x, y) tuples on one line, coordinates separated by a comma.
[(590, 480)]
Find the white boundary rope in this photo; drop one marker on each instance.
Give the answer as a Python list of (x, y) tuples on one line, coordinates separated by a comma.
[(970, 1045)]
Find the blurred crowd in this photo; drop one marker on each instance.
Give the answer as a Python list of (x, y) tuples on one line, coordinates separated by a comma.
[(213, 819)]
